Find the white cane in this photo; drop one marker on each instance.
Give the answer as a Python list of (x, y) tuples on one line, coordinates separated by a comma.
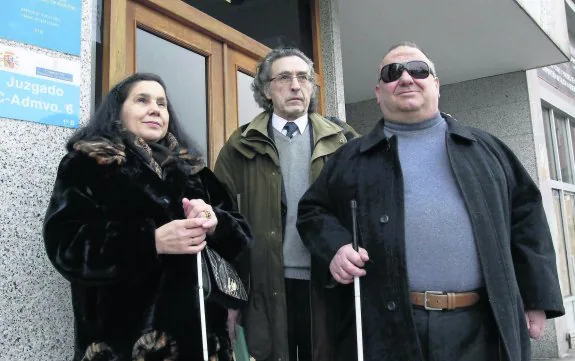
[(356, 286), (202, 307)]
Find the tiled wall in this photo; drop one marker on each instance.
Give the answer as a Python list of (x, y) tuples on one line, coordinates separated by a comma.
[(36, 320)]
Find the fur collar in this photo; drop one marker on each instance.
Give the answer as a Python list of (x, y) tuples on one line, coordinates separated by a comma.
[(102, 150), (107, 152)]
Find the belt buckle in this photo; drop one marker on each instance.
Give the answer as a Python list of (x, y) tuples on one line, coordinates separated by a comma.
[(425, 300)]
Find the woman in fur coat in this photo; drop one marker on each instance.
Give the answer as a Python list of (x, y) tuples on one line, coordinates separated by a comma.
[(132, 205)]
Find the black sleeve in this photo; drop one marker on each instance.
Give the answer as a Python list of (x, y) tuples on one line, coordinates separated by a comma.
[(532, 248), (85, 246), (318, 224)]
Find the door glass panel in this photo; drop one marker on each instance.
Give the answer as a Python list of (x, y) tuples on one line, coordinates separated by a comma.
[(561, 251), (184, 73), (247, 106), (549, 143)]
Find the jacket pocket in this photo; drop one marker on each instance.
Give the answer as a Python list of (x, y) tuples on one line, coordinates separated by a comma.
[(257, 325)]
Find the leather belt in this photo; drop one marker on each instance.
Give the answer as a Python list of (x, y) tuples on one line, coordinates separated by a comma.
[(439, 301)]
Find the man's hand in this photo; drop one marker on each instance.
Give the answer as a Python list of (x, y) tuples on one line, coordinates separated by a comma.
[(232, 320), (347, 264), (197, 208), (535, 323), (182, 236)]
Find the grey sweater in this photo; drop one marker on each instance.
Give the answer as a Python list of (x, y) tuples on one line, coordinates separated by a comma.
[(295, 159), (441, 253)]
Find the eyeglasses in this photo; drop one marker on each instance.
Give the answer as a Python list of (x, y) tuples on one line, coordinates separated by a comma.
[(285, 79), (417, 69)]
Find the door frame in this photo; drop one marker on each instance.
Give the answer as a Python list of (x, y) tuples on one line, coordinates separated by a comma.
[(116, 32)]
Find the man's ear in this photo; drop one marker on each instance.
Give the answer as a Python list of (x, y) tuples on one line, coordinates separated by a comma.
[(377, 91), (268, 93)]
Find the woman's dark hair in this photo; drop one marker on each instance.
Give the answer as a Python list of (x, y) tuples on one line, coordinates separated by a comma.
[(105, 122)]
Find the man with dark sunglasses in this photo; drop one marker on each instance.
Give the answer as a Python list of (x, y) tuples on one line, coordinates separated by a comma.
[(456, 259)]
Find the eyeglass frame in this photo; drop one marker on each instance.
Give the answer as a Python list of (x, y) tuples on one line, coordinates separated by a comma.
[(308, 78), (403, 65)]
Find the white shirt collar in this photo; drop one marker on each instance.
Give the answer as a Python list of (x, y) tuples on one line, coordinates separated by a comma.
[(278, 123)]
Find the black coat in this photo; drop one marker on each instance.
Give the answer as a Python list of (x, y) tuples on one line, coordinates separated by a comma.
[(511, 232), (99, 233)]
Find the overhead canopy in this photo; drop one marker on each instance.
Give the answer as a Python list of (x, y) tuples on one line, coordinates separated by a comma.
[(465, 39)]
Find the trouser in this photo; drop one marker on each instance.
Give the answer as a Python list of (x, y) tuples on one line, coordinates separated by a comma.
[(298, 317), (464, 334)]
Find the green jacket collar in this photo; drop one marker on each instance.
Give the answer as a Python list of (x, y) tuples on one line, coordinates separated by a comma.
[(258, 126), (255, 138), (327, 136)]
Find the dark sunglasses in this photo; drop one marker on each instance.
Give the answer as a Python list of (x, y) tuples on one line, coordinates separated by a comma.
[(417, 69)]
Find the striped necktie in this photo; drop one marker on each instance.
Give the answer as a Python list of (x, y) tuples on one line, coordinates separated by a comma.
[(291, 128)]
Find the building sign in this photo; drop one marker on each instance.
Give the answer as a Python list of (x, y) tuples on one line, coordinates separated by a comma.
[(39, 88), (51, 24), (561, 76)]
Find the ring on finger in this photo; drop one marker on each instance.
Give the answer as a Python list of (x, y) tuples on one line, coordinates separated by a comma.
[(207, 214)]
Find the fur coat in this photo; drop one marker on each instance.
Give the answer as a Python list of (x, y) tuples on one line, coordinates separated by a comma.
[(129, 302)]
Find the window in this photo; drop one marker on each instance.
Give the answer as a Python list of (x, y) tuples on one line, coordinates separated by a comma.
[(559, 139), (550, 146), (559, 134)]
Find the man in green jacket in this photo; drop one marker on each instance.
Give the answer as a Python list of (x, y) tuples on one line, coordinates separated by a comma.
[(269, 164)]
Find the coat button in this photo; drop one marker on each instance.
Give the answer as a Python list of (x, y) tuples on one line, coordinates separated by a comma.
[(273, 233), (391, 306), (384, 219)]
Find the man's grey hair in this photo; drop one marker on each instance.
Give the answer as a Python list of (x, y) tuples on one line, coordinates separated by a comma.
[(409, 45), (262, 80)]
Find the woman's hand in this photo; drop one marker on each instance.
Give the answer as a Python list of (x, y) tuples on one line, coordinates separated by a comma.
[(198, 209), (182, 236)]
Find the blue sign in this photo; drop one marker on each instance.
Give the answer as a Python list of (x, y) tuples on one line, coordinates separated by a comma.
[(39, 100), (51, 24)]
